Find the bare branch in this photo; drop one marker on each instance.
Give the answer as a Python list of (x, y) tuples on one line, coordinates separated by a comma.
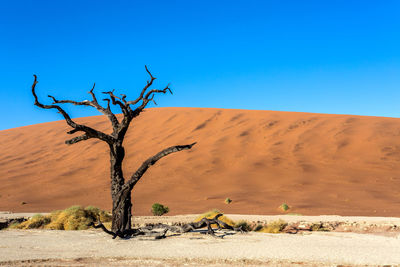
[(108, 104), (73, 131), (113, 119), (77, 139), (82, 103), (149, 83), (117, 102), (60, 110), (123, 98), (152, 160), (158, 91), (149, 97), (90, 132), (93, 103), (111, 116)]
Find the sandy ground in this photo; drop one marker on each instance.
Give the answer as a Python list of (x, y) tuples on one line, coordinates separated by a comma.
[(316, 163), (35, 247), (93, 247)]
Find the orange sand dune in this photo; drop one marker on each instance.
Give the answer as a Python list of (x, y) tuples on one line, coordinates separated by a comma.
[(316, 163)]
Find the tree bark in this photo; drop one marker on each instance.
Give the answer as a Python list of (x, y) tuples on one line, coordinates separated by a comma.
[(121, 198), (122, 211)]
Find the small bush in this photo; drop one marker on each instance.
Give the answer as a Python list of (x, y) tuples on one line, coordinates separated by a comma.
[(274, 227), (158, 209), (284, 207), (228, 200), (73, 218)]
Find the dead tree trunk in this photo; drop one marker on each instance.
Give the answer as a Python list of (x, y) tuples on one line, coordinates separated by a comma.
[(120, 188), (121, 202)]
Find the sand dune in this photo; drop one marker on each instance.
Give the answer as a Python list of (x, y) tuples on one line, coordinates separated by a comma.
[(316, 163)]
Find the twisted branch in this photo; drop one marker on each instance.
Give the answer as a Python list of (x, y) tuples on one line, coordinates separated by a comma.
[(151, 161), (149, 83), (124, 108), (89, 132)]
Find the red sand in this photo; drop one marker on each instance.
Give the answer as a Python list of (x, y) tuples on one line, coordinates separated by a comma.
[(316, 163)]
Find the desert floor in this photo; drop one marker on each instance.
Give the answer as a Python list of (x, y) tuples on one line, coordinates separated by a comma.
[(94, 247)]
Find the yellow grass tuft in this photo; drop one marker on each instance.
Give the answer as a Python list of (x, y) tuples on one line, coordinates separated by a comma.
[(274, 227), (72, 218), (37, 221), (211, 214)]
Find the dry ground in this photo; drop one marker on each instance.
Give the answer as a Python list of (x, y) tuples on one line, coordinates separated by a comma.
[(94, 248)]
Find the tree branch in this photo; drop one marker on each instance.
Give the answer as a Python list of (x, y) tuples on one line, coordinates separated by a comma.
[(60, 110), (90, 132), (77, 139), (158, 91), (117, 102), (113, 119), (82, 103), (111, 116), (147, 98), (108, 104), (149, 83), (151, 161)]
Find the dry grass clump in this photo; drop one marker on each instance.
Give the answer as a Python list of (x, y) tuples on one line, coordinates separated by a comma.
[(37, 221), (211, 214), (73, 218), (274, 227), (319, 227)]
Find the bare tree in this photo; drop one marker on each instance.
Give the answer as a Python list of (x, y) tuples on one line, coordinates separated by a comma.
[(120, 188)]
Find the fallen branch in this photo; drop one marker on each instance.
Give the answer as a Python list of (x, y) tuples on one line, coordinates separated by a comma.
[(190, 227)]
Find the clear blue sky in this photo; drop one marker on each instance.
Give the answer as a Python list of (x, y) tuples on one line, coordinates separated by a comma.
[(312, 56)]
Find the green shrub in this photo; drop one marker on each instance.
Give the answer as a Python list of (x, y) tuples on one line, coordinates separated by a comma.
[(284, 207), (158, 209)]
